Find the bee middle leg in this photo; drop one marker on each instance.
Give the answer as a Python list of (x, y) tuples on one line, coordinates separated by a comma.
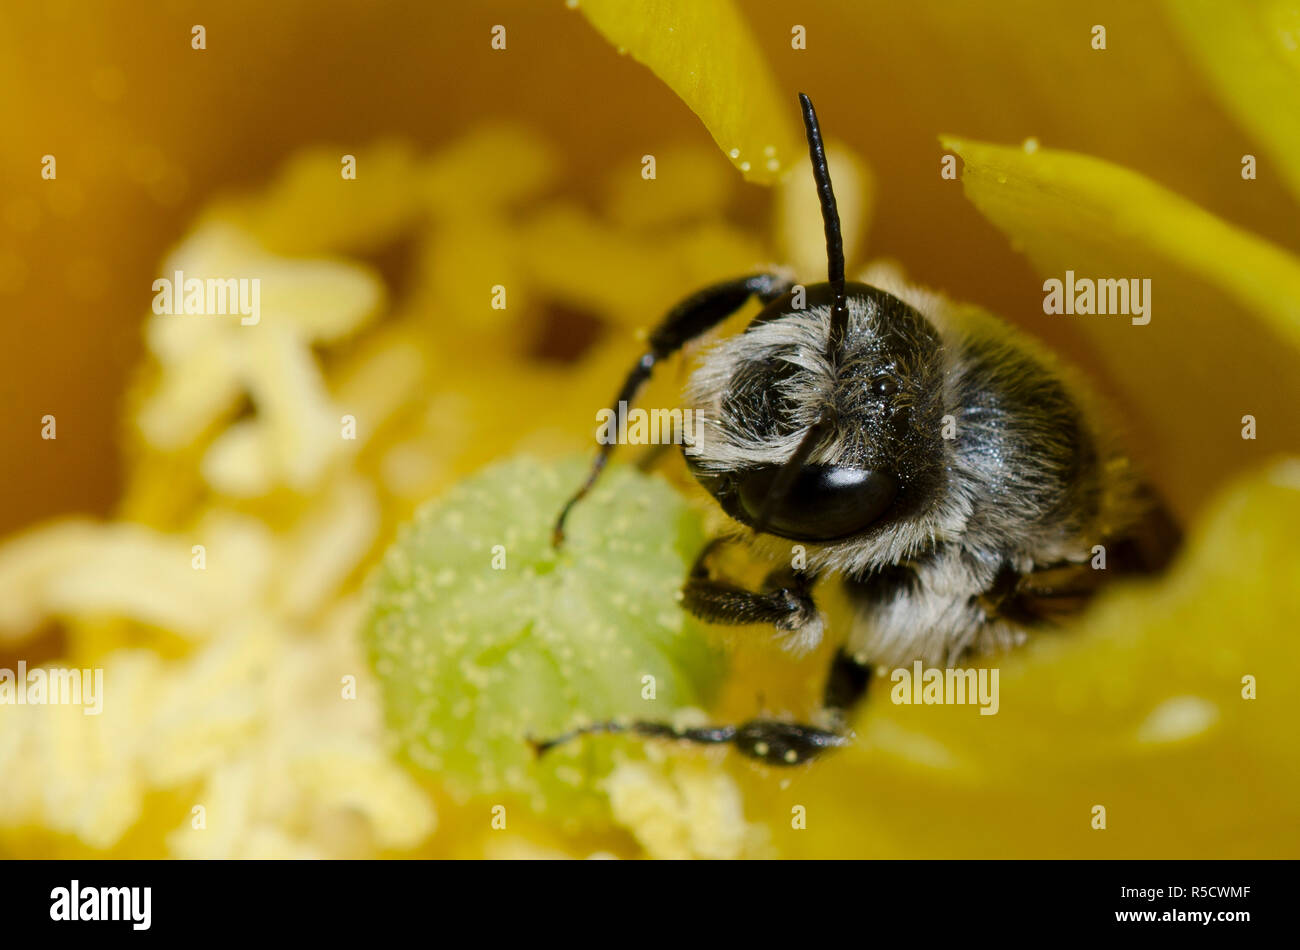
[(772, 741)]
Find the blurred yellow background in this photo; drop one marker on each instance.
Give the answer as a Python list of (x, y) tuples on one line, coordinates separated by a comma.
[(151, 136), (146, 130)]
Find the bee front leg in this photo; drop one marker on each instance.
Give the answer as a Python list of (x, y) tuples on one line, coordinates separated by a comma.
[(690, 319), (785, 602)]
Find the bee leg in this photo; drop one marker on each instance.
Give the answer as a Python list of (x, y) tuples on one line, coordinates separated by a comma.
[(785, 602), (693, 317), (788, 609), (846, 685), (768, 740), (771, 741), (1045, 597)]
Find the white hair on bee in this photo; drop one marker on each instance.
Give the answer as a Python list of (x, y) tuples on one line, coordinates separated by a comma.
[(732, 441)]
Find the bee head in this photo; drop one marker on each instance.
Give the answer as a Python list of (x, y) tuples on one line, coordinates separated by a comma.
[(816, 449)]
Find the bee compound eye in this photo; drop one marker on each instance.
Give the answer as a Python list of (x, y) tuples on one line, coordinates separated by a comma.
[(824, 502)]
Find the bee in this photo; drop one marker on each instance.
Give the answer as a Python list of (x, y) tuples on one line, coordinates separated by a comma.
[(953, 476)]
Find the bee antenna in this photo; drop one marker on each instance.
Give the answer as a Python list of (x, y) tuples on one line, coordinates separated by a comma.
[(831, 221)]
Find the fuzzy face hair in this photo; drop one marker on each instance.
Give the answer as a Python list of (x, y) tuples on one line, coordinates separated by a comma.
[(760, 391)]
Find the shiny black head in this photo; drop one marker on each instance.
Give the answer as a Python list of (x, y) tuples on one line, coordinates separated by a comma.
[(859, 440)]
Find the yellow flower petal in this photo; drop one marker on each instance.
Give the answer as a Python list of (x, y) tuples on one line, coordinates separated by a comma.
[(705, 52), (1224, 305), (1251, 52)]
